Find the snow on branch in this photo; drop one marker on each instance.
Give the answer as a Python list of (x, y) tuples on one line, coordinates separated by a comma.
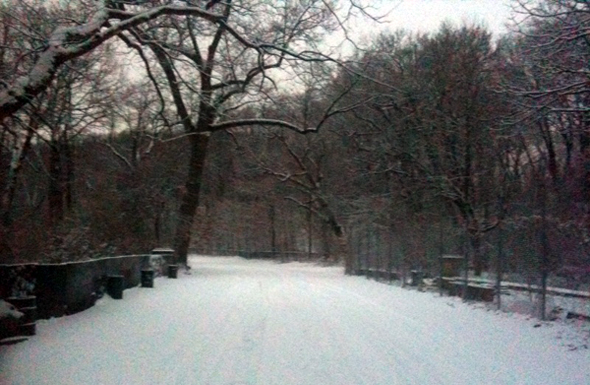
[(67, 43), (261, 122)]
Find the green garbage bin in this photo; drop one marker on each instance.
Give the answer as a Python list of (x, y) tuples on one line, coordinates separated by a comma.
[(147, 278), (115, 286), (417, 277), (172, 271)]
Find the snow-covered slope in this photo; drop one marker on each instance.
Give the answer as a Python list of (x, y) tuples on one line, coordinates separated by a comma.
[(256, 322)]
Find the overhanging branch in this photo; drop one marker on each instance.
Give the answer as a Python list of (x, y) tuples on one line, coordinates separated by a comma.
[(67, 43), (261, 122)]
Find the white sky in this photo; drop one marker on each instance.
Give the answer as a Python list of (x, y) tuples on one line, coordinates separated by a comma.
[(423, 16), (427, 15)]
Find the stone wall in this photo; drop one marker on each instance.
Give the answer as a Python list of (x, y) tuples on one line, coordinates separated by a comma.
[(68, 288), (279, 255)]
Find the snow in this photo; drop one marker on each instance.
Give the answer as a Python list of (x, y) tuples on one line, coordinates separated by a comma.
[(235, 321), (7, 310)]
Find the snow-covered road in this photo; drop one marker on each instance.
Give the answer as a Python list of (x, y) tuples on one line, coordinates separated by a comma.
[(257, 322)]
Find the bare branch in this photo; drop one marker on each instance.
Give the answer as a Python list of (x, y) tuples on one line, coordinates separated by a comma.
[(120, 156), (261, 122), (67, 43)]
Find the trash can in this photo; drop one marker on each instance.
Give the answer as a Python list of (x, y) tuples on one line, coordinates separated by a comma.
[(115, 286), (27, 306), (172, 271), (417, 277), (451, 266), (147, 278)]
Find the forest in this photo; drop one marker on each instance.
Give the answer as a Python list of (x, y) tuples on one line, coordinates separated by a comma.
[(235, 126)]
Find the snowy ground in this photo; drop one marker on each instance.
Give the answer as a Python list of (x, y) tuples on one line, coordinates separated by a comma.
[(257, 322)]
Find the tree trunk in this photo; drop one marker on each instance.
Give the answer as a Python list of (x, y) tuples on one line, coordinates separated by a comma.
[(10, 185), (500, 257), (466, 255), (478, 262), (326, 241), (55, 194), (544, 252), (160, 206), (309, 228), (441, 252), (350, 266), (273, 232), (190, 199), (69, 172)]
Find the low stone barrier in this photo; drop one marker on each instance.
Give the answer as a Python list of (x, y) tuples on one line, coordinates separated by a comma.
[(378, 274), (474, 292), (68, 288), (27, 323), (279, 255)]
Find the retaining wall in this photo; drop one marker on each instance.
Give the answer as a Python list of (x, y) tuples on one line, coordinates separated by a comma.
[(68, 288), (279, 255)]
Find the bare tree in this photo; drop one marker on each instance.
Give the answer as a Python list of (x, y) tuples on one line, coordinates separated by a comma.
[(213, 70), (429, 127), (68, 106), (83, 26), (244, 42)]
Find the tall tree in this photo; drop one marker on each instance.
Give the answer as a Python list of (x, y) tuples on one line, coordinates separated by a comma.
[(246, 41), (81, 27), (211, 70), (430, 126)]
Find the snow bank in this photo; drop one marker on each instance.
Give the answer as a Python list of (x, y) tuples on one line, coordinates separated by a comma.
[(7, 310), (9, 321)]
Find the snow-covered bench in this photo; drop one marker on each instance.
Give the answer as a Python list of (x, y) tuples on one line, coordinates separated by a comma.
[(378, 274), (475, 292)]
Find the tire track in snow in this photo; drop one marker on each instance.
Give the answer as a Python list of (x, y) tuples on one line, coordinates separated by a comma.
[(383, 360), (236, 357), (231, 353), (458, 363), (329, 342), (204, 322), (395, 350), (193, 331)]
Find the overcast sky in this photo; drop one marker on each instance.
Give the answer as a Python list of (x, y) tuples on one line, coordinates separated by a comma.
[(427, 15)]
